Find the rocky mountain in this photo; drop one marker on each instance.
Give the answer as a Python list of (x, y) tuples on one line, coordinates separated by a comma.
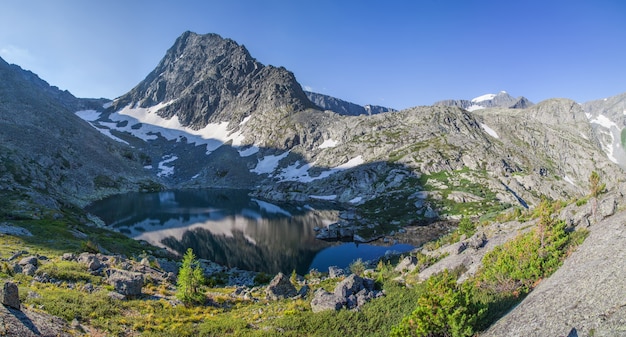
[(47, 151), (501, 100), (342, 107)]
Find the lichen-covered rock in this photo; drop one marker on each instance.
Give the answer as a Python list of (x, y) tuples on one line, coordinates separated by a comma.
[(335, 272), (323, 300), (90, 260), (408, 264)]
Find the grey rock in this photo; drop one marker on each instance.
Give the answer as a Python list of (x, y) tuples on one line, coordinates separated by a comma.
[(29, 269), (68, 257), (91, 261), (335, 272), (323, 300), (9, 295), (280, 288), (408, 264), (349, 286), (607, 207), (126, 282), (29, 260), (477, 241)]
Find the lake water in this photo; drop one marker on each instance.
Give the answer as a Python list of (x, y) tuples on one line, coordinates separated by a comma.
[(233, 229)]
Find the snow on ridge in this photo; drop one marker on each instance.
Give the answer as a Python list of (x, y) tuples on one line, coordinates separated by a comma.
[(249, 151), (483, 98), (489, 131), (474, 107), (328, 143), (604, 121)]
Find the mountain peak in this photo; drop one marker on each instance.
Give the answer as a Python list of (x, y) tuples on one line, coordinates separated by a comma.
[(501, 99), (205, 78)]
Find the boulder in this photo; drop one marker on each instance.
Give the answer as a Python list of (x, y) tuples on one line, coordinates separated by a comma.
[(607, 207), (29, 269), (9, 295), (304, 291), (68, 257), (280, 287), (126, 282), (334, 272), (29, 260), (90, 260), (323, 300), (350, 286)]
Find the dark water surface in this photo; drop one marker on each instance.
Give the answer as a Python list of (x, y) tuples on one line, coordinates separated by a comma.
[(233, 229)]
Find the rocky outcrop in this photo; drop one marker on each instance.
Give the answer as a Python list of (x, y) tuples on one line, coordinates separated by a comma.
[(585, 295), (351, 293)]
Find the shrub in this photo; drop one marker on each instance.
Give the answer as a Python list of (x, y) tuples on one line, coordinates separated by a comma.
[(466, 227), (445, 308), (357, 267)]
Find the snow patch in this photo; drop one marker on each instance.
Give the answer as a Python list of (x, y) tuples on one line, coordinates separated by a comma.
[(249, 151), (328, 143), (165, 170), (474, 107), (268, 164), (88, 115), (483, 98), (245, 120), (323, 197), (356, 200), (489, 131), (604, 121), (148, 167), (584, 137), (107, 105)]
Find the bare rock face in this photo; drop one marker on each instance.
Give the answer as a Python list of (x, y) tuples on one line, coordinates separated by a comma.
[(280, 288), (9, 295), (585, 295)]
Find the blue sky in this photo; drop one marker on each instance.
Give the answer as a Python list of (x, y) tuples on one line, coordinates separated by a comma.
[(392, 53)]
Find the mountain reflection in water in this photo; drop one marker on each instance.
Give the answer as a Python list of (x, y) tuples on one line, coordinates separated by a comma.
[(232, 229)]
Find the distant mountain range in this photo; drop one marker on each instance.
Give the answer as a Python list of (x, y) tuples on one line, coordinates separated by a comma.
[(499, 100)]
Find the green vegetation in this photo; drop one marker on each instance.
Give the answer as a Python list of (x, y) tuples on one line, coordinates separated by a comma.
[(444, 308), (623, 137), (190, 277), (68, 271)]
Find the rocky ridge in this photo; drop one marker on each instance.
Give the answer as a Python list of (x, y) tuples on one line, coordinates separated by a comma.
[(342, 107), (499, 100)]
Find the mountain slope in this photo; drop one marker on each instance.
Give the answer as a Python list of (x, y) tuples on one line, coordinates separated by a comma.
[(47, 150), (584, 297)]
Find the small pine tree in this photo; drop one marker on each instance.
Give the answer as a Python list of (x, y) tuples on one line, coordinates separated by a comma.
[(190, 277)]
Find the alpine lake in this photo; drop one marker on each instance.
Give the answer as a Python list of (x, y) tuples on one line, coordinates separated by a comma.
[(235, 230)]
